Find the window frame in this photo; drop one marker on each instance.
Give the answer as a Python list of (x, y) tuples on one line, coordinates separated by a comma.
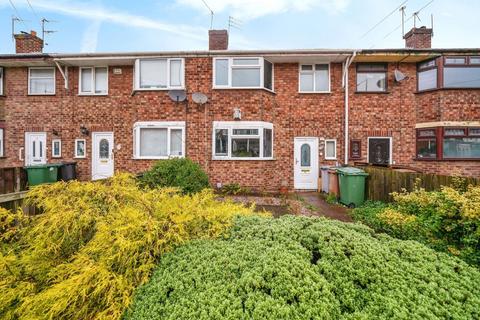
[(54, 81), (76, 156), (300, 71), (423, 69), (137, 75), (2, 75), (91, 93), (435, 136), (2, 140), (230, 126), (231, 66), (379, 70), (335, 149), (169, 125), (59, 155)]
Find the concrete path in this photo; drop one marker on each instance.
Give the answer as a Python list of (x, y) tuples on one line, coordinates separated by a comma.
[(325, 209)]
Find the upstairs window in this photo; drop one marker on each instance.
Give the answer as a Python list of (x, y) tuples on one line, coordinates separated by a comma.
[(371, 77), (242, 73), (461, 72), (427, 75), (314, 78), (93, 81), (243, 140), (159, 74), (159, 140), (1, 81), (41, 81)]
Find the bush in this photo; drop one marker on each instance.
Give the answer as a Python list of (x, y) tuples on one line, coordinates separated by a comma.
[(182, 173), (447, 220), (96, 242), (307, 268)]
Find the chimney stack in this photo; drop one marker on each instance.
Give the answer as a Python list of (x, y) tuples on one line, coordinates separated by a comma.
[(28, 43), (419, 38), (217, 39)]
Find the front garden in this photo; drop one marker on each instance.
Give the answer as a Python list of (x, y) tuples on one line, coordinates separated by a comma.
[(164, 247)]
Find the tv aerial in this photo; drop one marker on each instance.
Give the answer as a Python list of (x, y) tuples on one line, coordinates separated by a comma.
[(199, 98)]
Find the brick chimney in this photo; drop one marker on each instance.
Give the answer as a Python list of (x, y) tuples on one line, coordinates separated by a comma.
[(28, 43), (419, 38), (217, 39)]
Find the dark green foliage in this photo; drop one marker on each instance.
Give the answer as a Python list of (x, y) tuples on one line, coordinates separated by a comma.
[(182, 173), (307, 268)]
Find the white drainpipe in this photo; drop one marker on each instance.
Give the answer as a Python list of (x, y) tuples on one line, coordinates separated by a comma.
[(348, 62)]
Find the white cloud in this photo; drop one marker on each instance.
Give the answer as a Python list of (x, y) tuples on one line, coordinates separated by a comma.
[(251, 9), (90, 37)]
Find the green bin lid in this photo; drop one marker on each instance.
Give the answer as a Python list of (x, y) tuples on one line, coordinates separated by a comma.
[(41, 166), (349, 171)]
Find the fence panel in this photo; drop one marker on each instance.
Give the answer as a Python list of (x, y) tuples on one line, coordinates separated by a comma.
[(381, 181)]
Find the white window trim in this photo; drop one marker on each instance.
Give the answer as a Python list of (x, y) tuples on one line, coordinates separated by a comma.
[(59, 155), (335, 149), (230, 125), (169, 125), (2, 145), (261, 66), (391, 148), (91, 93), (313, 73), (54, 82), (136, 75), (2, 75), (76, 150)]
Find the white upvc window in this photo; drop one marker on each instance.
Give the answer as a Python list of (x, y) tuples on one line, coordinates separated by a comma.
[(330, 149), (242, 140), (159, 74), (41, 81), (242, 73), (56, 148), (2, 142), (93, 81), (314, 78), (1, 81), (159, 140), (80, 148)]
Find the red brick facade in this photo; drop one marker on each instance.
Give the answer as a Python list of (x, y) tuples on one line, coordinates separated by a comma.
[(28, 43), (392, 114), (419, 38)]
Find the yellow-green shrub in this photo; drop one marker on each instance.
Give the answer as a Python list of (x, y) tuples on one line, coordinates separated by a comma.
[(96, 242)]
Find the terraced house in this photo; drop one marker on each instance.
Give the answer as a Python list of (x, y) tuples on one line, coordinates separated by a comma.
[(271, 118)]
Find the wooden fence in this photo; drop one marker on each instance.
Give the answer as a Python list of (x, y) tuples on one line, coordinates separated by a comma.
[(13, 186), (383, 181)]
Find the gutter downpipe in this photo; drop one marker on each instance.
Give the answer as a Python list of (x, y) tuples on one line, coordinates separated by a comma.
[(347, 64)]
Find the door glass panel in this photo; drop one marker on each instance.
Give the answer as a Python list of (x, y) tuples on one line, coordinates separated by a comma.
[(104, 149), (33, 149), (305, 155), (41, 149)]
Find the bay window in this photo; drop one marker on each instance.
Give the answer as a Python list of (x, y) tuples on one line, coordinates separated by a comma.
[(371, 77), (93, 81), (427, 144), (448, 143), (242, 73), (314, 78), (159, 140), (41, 81), (243, 140), (159, 74), (427, 75)]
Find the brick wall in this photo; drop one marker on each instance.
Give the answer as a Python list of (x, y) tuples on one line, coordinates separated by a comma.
[(28, 43), (393, 114), (419, 38)]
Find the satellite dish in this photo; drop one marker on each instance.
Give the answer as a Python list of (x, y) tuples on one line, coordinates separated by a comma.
[(399, 76), (177, 95), (199, 98)]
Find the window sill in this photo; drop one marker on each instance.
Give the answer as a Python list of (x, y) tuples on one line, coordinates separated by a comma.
[(372, 92), (243, 88), (447, 160), (241, 159), (331, 158), (93, 94), (79, 157), (157, 158), (40, 94), (315, 92), (444, 89), (158, 89)]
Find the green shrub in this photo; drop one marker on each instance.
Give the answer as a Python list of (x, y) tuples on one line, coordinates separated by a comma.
[(307, 268), (96, 242), (181, 173), (447, 220)]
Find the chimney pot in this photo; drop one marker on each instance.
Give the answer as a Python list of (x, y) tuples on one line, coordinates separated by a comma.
[(217, 39), (419, 38)]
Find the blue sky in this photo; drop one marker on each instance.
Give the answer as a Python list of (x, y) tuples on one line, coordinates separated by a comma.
[(109, 26)]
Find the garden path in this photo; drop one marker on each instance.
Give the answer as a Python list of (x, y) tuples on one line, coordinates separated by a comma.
[(324, 209)]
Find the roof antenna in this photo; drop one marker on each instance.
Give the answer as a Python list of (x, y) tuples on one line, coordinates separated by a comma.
[(233, 22), (415, 17), (45, 32), (211, 13), (402, 9), (431, 21), (14, 20)]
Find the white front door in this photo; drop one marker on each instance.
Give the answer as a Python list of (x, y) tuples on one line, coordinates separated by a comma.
[(102, 155), (305, 163), (35, 148)]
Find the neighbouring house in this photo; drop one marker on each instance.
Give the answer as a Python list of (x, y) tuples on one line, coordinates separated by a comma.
[(272, 118)]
